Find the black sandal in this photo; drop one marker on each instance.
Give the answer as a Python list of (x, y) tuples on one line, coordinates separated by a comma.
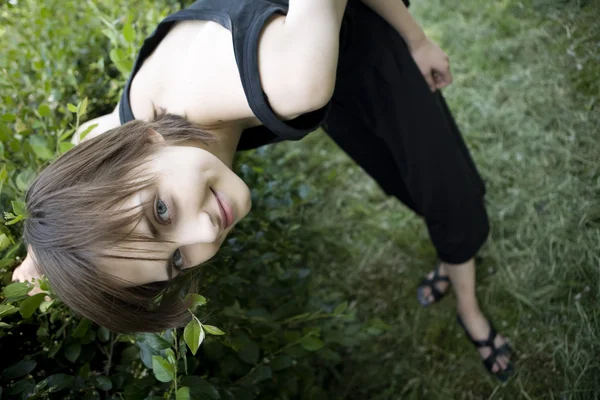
[(430, 283), (504, 350)]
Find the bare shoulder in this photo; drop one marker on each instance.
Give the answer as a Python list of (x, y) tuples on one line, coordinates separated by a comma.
[(194, 71)]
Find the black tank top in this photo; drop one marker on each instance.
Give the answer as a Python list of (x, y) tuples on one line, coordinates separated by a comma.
[(245, 19)]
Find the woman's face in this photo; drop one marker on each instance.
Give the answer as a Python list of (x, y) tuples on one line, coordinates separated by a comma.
[(194, 202)]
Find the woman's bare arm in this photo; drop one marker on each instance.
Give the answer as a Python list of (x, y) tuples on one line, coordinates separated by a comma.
[(298, 56)]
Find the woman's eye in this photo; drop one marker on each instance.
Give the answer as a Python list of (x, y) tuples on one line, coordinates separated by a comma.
[(162, 211), (177, 260)]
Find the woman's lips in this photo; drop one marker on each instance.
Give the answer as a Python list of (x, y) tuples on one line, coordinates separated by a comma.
[(226, 210)]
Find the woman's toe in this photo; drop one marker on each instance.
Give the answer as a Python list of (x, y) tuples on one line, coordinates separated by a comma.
[(496, 368), (504, 362)]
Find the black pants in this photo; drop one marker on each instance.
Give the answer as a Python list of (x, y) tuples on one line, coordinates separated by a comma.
[(386, 118)]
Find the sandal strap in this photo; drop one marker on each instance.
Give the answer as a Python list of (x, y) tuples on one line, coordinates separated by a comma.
[(437, 277), (504, 350), (437, 295), (489, 342), (492, 359), (430, 283)]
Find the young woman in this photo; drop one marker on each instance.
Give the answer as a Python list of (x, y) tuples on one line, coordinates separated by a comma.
[(150, 192)]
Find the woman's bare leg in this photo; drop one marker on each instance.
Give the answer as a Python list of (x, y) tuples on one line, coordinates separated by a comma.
[(463, 281)]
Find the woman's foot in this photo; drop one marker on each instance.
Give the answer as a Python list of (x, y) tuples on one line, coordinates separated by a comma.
[(493, 348), (434, 286)]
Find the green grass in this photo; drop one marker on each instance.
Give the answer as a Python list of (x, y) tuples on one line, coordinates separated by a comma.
[(526, 95)]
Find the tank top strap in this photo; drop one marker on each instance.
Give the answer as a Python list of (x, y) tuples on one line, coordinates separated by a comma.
[(245, 19)]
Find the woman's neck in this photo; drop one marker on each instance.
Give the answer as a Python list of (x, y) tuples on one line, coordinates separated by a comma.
[(228, 138)]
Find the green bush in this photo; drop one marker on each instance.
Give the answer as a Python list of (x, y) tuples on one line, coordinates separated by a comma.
[(63, 62)]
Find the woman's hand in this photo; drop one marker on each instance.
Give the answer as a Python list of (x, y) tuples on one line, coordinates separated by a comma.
[(27, 272), (433, 63)]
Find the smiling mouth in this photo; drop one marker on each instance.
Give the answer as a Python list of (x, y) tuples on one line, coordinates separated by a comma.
[(225, 209)]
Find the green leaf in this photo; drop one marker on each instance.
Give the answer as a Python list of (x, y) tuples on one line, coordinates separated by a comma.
[(42, 152), (19, 369), (86, 131), (66, 134), (83, 107), (197, 300), (7, 309), (292, 336), (16, 289), (45, 305), (170, 356), (65, 146), (73, 351), (103, 334), (103, 383), (12, 251), (121, 61), (5, 132), (146, 354), (24, 179), (212, 330), (59, 382), (183, 393), (4, 241), (29, 305), (9, 117), (85, 370), (128, 32), (193, 334), (19, 208), (282, 361), (44, 284), (72, 108), (82, 328), (247, 349), (163, 371), (312, 343), (44, 110), (24, 387), (3, 174), (154, 341), (5, 262), (200, 388), (13, 219), (341, 308), (261, 373), (5, 325)]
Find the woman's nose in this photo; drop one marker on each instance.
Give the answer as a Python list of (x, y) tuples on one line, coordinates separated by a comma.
[(201, 228)]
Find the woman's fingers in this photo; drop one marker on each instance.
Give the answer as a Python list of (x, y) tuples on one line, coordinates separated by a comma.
[(442, 78), (433, 64), (429, 78)]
